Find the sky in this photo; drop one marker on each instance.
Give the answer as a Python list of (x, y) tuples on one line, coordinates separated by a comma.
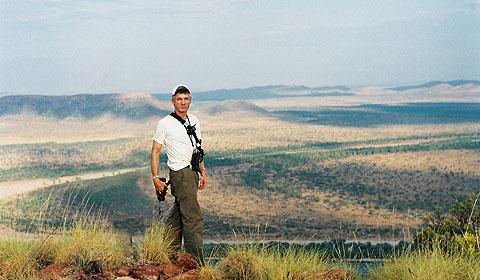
[(60, 47)]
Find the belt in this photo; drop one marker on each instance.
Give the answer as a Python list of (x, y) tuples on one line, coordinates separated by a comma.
[(188, 166)]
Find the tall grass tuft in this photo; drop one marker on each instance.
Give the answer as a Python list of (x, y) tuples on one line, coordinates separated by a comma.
[(293, 262), (264, 261), (156, 246), (21, 259), (84, 238), (210, 272), (429, 264), (242, 264), (91, 241)]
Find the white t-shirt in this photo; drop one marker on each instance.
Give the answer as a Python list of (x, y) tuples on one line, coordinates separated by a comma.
[(173, 136)]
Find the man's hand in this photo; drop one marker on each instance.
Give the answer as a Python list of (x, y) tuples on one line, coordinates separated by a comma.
[(202, 183), (159, 185)]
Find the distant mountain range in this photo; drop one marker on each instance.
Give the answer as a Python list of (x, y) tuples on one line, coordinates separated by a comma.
[(276, 91), (137, 106), (454, 83), (131, 106), (232, 106), (265, 92)]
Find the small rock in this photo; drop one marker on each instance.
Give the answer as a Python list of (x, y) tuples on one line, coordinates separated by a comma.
[(143, 271), (170, 269), (123, 271), (81, 275), (189, 275), (125, 278), (52, 271), (186, 261)]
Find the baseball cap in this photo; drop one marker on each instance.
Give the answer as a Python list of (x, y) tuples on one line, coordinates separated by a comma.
[(180, 89)]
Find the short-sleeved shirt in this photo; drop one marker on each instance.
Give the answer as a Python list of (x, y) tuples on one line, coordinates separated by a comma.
[(173, 136)]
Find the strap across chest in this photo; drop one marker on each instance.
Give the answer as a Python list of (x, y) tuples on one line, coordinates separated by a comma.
[(189, 128)]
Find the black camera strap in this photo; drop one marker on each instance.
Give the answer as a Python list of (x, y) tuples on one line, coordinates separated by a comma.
[(182, 121)]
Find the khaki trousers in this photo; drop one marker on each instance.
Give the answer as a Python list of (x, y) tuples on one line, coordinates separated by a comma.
[(186, 217)]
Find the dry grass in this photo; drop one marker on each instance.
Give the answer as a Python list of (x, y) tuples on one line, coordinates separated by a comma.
[(238, 132), (322, 217), (425, 265), (156, 245), (19, 259), (465, 161), (92, 241), (210, 272), (254, 132), (96, 154), (31, 128), (249, 260), (89, 239)]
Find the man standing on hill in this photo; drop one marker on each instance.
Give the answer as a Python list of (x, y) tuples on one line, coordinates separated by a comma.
[(180, 133)]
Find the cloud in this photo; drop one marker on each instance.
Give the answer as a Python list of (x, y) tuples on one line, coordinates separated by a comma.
[(475, 4)]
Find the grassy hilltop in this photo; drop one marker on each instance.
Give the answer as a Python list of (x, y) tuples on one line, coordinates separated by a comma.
[(87, 247)]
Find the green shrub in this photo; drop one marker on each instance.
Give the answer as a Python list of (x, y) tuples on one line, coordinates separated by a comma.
[(453, 230)]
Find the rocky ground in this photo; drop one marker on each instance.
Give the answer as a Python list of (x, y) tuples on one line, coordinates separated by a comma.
[(183, 267)]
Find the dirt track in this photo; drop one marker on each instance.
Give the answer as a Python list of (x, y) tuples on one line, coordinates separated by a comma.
[(12, 188)]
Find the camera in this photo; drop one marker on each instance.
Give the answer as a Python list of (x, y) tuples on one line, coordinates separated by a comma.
[(197, 158), (161, 194), (190, 129)]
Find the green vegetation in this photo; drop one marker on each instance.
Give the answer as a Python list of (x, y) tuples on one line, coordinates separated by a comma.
[(334, 249), (372, 115), (337, 150), (52, 160), (291, 172), (34, 172), (454, 230), (118, 197), (429, 265), (448, 247), (272, 169)]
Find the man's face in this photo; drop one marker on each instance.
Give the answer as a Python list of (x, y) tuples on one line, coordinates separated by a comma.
[(181, 102)]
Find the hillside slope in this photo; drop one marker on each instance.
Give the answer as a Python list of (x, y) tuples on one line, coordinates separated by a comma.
[(131, 106)]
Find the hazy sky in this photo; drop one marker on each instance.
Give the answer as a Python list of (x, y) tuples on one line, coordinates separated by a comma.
[(133, 45)]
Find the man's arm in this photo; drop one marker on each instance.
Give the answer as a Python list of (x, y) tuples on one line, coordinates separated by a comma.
[(202, 184), (155, 163)]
